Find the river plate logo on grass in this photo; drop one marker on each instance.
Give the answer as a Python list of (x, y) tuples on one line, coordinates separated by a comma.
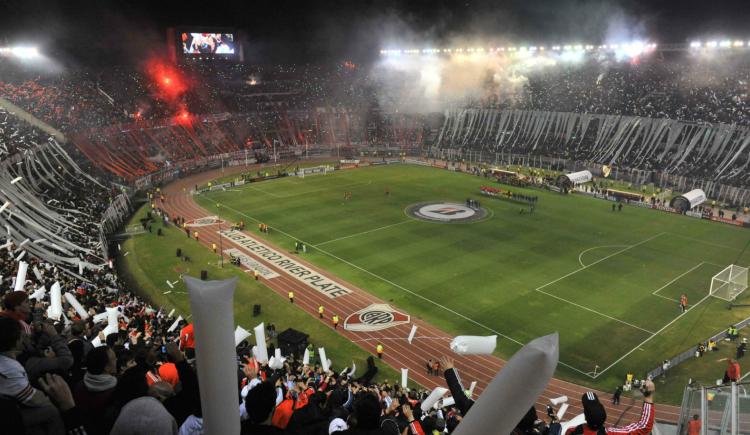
[(448, 212), (204, 221), (375, 318)]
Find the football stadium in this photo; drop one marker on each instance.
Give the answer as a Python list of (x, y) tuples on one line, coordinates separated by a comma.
[(364, 218)]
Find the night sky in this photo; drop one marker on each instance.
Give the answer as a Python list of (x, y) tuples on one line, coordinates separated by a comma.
[(104, 31)]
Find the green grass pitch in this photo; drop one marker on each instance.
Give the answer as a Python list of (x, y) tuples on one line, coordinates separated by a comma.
[(607, 281)]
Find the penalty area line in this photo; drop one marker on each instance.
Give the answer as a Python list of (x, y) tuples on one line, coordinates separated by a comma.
[(468, 319), (580, 261), (656, 292), (651, 337)]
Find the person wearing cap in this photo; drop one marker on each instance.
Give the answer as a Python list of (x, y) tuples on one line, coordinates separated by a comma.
[(18, 307), (596, 416)]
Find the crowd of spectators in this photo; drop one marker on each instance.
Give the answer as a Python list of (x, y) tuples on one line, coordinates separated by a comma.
[(76, 372)]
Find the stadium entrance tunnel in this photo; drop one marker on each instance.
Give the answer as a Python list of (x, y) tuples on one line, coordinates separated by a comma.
[(447, 212)]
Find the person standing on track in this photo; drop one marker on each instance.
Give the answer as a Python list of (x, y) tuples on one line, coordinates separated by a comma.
[(256, 274), (195, 234), (335, 320), (291, 297), (379, 349), (320, 311), (683, 302), (213, 246)]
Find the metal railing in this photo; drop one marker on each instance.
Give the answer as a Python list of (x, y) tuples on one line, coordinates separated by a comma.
[(720, 409)]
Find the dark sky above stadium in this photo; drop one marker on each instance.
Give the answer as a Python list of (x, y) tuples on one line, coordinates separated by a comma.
[(295, 31)]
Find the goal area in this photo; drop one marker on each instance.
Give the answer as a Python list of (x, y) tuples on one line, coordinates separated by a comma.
[(729, 283), (315, 170)]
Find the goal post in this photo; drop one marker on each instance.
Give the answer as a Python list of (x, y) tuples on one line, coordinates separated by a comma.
[(315, 170), (729, 283)]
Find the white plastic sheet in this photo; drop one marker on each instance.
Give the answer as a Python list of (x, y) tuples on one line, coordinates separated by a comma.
[(433, 398), (514, 389), (213, 319), (240, 334), (260, 343), (54, 311), (76, 305), (474, 345), (23, 267), (412, 333)]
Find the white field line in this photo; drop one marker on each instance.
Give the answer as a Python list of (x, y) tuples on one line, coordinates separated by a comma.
[(342, 186), (705, 242), (594, 311), (580, 261), (669, 299), (655, 292), (251, 187), (600, 260), (628, 247), (364, 232), (650, 337), (387, 281)]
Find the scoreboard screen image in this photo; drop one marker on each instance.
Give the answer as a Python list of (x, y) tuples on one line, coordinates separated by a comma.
[(207, 43)]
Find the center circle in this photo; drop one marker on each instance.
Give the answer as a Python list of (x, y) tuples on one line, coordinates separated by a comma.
[(447, 212)]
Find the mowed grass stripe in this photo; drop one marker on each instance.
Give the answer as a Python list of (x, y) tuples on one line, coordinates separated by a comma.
[(488, 271)]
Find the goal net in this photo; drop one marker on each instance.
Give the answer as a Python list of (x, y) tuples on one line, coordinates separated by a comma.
[(315, 170), (729, 283)]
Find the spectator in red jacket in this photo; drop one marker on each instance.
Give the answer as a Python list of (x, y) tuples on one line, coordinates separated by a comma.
[(732, 374)]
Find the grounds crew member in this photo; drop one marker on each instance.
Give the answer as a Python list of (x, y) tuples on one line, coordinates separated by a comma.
[(379, 349), (291, 297), (335, 320), (320, 311), (195, 234), (213, 246), (256, 274)]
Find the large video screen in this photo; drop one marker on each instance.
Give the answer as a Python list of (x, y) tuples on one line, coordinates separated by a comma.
[(208, 43)]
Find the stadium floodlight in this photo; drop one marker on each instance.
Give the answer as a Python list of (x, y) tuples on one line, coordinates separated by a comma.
[(725, 44), (729, 283), (712, 44), (541, 48), (738, 44), (614, 46), (695, 44), (589, 47), (578, 47), (567, 47), (24, 52)]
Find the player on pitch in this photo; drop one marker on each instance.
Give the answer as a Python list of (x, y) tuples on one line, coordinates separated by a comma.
[(683, 302)]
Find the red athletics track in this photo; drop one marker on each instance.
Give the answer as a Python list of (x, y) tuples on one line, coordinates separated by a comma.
[(429, 342)]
